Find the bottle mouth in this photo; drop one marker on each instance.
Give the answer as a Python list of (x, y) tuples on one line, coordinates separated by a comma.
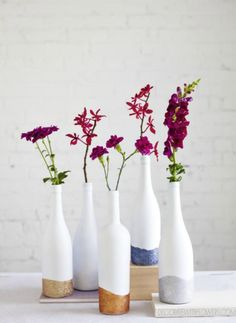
[(145, 159), (113, 192), (57, 188), (174, 184), (88, 186)]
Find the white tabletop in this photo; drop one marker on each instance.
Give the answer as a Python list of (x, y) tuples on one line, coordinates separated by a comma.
[(19, 303)]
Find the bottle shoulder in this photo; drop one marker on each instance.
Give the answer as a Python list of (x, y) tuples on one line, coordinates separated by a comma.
[(114, 229)]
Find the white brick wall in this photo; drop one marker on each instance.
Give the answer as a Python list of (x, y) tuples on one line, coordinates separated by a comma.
[(57, 56)]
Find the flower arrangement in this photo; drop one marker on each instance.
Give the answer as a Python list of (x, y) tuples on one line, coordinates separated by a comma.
[(175, 120), (40, 137), (87, 121), (139, 108)]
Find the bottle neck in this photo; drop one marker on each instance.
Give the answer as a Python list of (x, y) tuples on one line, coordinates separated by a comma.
[(58, 210), (145, 166), (88, 199), (174, 201), (114, 207)]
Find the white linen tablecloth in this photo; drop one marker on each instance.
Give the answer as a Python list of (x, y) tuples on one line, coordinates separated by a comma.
[(19, 303)]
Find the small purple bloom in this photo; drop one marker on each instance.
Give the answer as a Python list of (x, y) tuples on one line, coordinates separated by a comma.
[(38, 133), (113, 141), (144, 146), (167, 149), (98, 152)]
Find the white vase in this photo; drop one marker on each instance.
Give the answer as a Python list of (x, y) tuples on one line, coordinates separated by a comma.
[(176, 254), (85, 258), (114, 262), (145, 232), (57, 252)]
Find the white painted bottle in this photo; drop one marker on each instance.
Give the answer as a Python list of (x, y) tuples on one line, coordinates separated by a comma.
[(85, 257), (145, 232), (57, 253), (114, 263), (176, 254)]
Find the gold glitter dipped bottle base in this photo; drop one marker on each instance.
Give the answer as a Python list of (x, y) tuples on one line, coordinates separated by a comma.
[(57, 289), (112, 304)]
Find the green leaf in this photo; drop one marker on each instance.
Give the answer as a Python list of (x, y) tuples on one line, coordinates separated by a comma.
[(175, 170), (54, 181), (46, 179), (62, 175), (52, 168)]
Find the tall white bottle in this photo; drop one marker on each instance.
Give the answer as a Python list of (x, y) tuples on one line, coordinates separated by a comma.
[(114, 263), (85, 257), (57, 253), (176, 254), (145, 232)]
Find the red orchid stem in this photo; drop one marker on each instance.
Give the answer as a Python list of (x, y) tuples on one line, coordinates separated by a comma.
[(83, 142), (86, 155), (85, 164), (143, 117), (145, 129), (142, 100)]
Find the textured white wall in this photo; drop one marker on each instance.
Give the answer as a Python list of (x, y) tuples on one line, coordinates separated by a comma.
[(57, 56)]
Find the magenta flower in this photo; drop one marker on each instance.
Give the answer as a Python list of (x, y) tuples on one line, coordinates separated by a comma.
[(155, 150), (167, 150), (98, 152), (175, 120), (139, 105), (113, 141), (144, 146), (38, 133), (44, 147), (87, 122)]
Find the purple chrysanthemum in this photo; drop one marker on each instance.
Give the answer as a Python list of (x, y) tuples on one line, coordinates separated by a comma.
[(97, 152), (144, 146), (38, 133), (113, 141)]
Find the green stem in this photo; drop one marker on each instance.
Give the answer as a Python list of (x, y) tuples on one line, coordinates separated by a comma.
[(46, 147), (52, 160), (133, 153), (124, 160), (108, 167), (174, 163), (106, 176), (44, 159), (120, 171)]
